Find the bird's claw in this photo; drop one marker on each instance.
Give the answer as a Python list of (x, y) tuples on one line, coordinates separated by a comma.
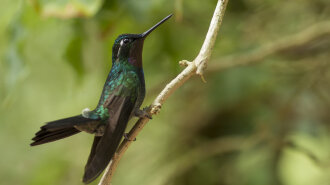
[(143, 113), (128, 139)]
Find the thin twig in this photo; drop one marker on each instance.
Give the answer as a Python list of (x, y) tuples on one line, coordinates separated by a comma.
[(313, 32), (195, 67)]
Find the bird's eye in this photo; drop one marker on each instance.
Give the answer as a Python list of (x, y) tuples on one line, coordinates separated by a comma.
[(125, 41)]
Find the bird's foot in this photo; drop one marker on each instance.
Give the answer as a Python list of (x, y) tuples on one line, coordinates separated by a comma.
[(128, 139), (142, 113)]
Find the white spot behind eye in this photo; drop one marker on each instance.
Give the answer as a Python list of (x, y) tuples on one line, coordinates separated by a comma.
[(121, 42)]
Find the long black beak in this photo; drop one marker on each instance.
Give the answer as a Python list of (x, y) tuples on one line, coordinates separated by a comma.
[(146, 33)]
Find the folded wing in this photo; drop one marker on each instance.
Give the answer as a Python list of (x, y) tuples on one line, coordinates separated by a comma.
[(120, 108)]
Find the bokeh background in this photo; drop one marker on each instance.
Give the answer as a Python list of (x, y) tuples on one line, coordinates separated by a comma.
[(263, 117)]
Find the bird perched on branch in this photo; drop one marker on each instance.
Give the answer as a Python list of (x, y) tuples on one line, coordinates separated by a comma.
[(121, 98)]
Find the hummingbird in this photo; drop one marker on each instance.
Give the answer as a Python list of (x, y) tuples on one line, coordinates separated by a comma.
[(121, 98)]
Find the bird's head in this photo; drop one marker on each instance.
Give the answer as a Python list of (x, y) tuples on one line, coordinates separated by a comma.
[(128, 47)]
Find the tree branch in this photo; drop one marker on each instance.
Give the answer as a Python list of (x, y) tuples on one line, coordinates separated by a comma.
[(313, 32), (196, 67)]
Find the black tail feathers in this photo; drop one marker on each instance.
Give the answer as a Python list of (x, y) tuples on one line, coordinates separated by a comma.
[(58, 129)]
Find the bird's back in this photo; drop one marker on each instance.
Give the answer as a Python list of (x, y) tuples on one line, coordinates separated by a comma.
[(121, 76)]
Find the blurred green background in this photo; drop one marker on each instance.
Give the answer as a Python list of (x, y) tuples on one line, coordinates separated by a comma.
[(262, 118)]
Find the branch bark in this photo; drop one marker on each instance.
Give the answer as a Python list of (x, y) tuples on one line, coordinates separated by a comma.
[(196, 67)]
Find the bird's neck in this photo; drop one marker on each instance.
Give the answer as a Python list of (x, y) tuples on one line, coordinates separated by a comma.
[(128, 64)]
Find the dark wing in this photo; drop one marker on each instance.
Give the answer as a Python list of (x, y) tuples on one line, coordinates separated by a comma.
[(120, 108), (93, 150)]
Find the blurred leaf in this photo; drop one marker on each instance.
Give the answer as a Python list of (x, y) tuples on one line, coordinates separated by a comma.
[(14, 62), (66, 9), (73, 54)]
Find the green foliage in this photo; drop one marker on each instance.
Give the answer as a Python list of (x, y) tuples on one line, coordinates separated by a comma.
[(66, 8), (265, 123), (74, 53)]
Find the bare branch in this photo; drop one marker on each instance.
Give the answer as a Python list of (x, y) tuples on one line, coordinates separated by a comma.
[(196, 67), (205, 52), (313, 32)]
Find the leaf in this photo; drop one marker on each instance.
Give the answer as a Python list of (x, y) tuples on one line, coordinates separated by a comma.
[(73, 54), (13, 59), (66, 9)]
